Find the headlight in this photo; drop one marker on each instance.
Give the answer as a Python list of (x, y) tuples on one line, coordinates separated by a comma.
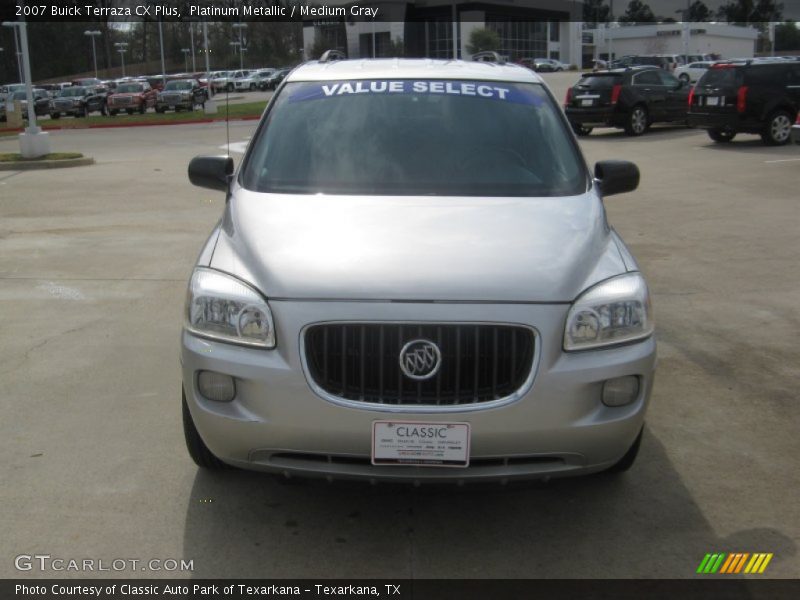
[(614, 311), (224, 308)]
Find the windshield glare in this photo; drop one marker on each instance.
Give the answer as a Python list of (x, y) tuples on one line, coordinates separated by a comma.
[(129, 88), (74, 91), (414, 137), (178, 85)]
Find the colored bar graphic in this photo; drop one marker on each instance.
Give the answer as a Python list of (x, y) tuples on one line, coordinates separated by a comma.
[(765, 563), (753, 563), (726, 565), (740, 564), (703, 563), (734, 563), (718, 562)]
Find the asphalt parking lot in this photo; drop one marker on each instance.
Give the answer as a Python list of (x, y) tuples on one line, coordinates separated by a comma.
[(93, 269)]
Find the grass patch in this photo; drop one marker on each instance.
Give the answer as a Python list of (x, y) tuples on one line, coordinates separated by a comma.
[(17, 157), (235, 111)]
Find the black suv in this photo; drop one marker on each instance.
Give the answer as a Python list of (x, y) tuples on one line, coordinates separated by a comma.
[(79, 101), (747, 97), (631, 99)]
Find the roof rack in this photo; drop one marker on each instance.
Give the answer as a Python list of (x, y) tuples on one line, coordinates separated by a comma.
[(332, 55), (489, 56)]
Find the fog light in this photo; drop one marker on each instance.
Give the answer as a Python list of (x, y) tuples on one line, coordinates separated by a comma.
[(620, 390), (216, 386)]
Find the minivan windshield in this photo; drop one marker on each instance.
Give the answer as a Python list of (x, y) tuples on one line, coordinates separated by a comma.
[(414, 137)]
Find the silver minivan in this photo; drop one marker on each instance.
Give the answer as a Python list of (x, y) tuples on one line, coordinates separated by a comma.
[(414, 279)]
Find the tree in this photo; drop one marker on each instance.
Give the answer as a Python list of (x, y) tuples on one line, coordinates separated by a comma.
[(596, 11), (787, 36), (698, 11), (745, 12), (483, 39), (638, 12)]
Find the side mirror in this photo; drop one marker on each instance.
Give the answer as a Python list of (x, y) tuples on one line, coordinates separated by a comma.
[(212, 172), (616, 176)]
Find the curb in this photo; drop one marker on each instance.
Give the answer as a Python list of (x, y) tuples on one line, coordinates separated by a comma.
[(46, 164)]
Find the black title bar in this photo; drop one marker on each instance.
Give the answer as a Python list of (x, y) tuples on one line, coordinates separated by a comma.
[(711, 588)]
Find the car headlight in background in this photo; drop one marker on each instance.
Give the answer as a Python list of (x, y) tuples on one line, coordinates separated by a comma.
[(612, 312), (221, 307)]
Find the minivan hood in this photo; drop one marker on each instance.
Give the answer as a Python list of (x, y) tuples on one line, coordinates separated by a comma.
[(417, 248)]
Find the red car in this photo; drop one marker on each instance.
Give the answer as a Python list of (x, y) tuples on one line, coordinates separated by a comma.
[(131, 96)]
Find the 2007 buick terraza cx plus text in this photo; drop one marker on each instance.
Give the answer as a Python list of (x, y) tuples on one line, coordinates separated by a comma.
[(414, 279)]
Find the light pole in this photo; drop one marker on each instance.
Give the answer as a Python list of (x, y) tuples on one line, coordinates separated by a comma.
[(211, 106), (93, 34), (240, 27), (191, 44), (33, 142), (235, 45), (121, 48), (18, 52), (163, 68), (185, 59)]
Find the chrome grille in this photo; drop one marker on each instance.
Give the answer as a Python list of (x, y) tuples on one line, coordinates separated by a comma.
[(361, 362), (171, 98), (63, 104)]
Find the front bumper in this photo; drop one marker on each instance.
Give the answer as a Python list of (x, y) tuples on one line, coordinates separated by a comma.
[(558, 427), (187, 103)]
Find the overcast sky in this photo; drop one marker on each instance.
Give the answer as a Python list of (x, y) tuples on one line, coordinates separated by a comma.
[(667, 8)]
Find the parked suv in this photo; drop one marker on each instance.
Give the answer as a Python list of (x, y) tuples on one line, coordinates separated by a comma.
[(41, 101), (747, 97), (79, 101), (631, 99), (414, 279), (132, 96), (181, 94)]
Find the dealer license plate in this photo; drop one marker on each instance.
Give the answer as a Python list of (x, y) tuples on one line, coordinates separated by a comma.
[(420, 444), (712, 101), (172, 107), (587, 102)]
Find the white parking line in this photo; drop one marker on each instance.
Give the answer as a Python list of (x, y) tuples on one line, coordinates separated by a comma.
[(782, 160)]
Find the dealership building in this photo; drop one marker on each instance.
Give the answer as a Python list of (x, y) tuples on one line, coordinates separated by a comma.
[(441, 29), (728, 41)]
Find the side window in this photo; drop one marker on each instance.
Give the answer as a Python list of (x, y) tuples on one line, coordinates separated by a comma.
[(646, 78), (667, 79), (765, 75)]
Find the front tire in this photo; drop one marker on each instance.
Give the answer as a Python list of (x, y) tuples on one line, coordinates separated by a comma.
[(778, 129), (722, 136), (197, 448), (55, 115), (684, 77), (636, 124), (113, 112)]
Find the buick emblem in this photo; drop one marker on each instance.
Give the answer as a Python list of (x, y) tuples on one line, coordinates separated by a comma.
[(420, 359)]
